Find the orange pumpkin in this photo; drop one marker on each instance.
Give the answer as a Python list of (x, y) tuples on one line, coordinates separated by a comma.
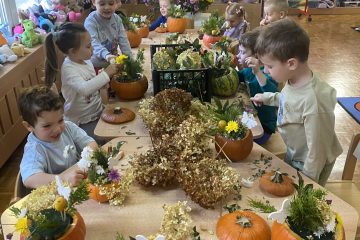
[(134, 38), (276, 183), (176, 24), (144, 31), (130, 90), (160, 29), (283, 232), (209, 40), (235, 150), (242, 225), (94, 193)]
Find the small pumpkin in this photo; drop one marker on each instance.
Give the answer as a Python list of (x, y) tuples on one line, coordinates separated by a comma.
[(134, 38), (276, 183), (209, 40), (117, 115), (130, 90), (176, 24), (144, 31), (160, 29), (242, 225)]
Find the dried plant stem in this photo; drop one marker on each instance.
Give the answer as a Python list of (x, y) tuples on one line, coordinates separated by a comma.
[(221, 150)]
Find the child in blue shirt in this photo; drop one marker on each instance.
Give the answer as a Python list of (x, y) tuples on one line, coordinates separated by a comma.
[(107, 33), (53, 144), (164, 7), (257, 81)]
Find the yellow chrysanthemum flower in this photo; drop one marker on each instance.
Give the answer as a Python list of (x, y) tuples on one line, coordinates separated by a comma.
[(60, 204), (22, 226), (121, 59), (232, 126)]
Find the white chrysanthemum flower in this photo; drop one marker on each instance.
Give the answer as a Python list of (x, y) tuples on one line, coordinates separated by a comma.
[(87, 153), (330, 227), (248, 120), (143, 18), (100, 170)]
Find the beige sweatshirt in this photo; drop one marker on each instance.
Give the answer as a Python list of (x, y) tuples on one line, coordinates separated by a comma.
[(306, 122)]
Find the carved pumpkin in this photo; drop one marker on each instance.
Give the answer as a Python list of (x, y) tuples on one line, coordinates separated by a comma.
[(117, 115), (276, 183), (144, 31), (235, 150), (176, 24), (134, 38), (130, 90), (283, 232), (94, 193), (209, 40), (242, 225), (160, 29)]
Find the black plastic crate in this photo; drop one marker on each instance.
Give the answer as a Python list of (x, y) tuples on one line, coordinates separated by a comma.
[(195, 81)]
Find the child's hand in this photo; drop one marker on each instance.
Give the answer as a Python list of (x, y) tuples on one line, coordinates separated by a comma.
[(111, 69), (258, 99), (109, 57), (74, 176), (254, 63), (263, 22)]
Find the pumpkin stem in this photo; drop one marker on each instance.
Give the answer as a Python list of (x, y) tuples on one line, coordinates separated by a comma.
[(117, 110), (277, 177), (243, 221)]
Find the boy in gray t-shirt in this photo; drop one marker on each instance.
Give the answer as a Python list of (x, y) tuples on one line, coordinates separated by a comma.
[(53, 145)]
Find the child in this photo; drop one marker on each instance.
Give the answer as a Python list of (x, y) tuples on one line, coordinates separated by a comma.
[(306, 105), (235, 21), (80, 85), (42, 111), (107, 33), (164, 7), (274, 10), (257, 81)]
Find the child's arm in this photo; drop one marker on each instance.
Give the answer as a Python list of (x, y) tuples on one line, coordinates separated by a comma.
[(266, 98), (157, 23), (71, 77), (123, 40)]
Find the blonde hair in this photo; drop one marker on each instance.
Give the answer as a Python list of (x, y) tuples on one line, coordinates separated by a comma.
[(277, 5), (234, 10)]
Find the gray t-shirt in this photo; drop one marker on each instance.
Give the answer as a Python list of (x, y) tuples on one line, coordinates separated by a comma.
[(45, 157)]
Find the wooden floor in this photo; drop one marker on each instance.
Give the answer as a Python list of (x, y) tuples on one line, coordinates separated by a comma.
[(334, 56)]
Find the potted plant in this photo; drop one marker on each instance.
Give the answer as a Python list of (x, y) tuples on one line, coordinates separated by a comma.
[(225, 80), (306, 216), (233, 139), (129, 83), (132, 32), (104, 181), (142, 24), (176, 21), (192, 7), (49, 212), (212, 29)]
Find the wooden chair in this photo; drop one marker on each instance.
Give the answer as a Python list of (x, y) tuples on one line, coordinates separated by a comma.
[(20, 190), (347, 189), (276, 145)]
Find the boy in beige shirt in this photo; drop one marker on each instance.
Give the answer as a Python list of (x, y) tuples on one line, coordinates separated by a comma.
[(306, 105)]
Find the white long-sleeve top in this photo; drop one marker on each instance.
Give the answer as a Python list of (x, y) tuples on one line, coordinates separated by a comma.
[(80, 88), (306, 122)]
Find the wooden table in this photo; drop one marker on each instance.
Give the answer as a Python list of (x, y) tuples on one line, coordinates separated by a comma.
[(142, 210), (137, 127)]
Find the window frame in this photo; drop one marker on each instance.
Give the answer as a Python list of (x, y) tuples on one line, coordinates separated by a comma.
[(8, 12)]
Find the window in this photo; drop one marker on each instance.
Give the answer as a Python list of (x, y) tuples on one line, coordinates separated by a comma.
[(8, 12)]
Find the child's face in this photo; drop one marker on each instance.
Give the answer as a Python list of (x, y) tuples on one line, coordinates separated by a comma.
[(84, 52), (271, 15), (243, 54), (49, 126), (278, 70), (234, 21), (164, 7), (105, 8)]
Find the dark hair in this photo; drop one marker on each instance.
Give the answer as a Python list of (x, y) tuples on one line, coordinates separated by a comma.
[(66, 38), (248, 39), (283, 39), (34, 100)]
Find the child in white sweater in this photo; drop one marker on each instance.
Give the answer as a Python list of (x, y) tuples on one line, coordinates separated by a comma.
[(80, 85)]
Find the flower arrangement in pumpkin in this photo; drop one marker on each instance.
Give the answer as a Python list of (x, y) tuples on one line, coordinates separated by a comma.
[(176, 11), (307, 215), (194, 6), (212, 25), (131, 69), (106, 183), (139, 20), (179, 131), (49, 212)]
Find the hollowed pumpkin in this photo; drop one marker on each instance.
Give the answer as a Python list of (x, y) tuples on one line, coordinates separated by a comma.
[(160, 29), (130, 90), (276, 183), (134, 38), (242, 225), (235, 150), (144, 31), (176, 25), (283, 232), (209, 40)]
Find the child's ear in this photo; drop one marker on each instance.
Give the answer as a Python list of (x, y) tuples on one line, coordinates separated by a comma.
[(282, 14), (292, 63), (27, 126)]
